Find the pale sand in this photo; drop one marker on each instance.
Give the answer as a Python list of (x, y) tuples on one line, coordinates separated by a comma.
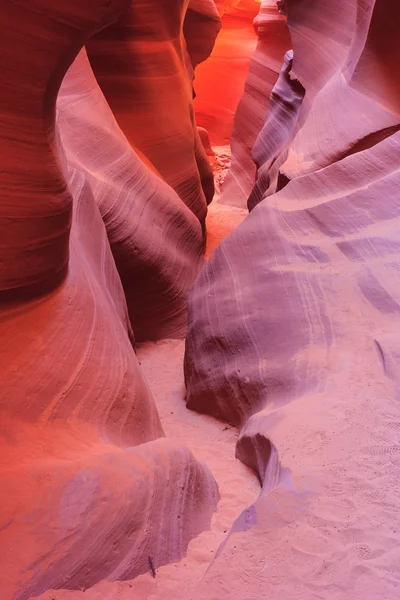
[(220, 164)]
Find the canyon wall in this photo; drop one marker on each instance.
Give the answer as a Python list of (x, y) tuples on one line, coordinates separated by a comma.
[(88, 481), (219, 81), (155, 238), (143, 68), (293, 321), (273, 41)]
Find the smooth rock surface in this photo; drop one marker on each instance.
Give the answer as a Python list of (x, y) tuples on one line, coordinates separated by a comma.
[(88, 483), (292, 329), (294, 320), (201, 26), (143, 67), (273, 41), (272, 145), (209, 440), (220, 80), (155, 239)]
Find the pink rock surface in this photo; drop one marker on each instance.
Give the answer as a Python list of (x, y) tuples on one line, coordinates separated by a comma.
[(293, 333), (205, 140), (143, 67), (155, 239), (272, 145), (265, 64), (360, 48), (208, 439), (88, 484), (292, 330)]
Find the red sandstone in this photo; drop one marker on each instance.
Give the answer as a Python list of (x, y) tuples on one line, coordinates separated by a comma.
[(109, 485)]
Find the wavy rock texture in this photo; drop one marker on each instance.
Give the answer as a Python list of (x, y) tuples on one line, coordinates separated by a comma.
[(292, 328), (155, 239), (293, 321), (362, 114), (265, 64), (86, 483), (272, 144), (155, 111)]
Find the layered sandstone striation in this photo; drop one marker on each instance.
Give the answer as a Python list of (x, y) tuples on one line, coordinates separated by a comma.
[(272, 145), (293, 320), (273, 41), (144, 69), (155, 238), (88, 481)]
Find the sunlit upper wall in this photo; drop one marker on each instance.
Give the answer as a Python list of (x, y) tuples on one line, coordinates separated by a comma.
[(242, 5), (219, 81)]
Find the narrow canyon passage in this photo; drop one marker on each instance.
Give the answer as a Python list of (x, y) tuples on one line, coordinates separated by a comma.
[(211, 441), (199, 300), (219, 81)]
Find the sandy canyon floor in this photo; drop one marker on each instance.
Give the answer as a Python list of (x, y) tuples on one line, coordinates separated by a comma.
[(213, 443), (210, 441)]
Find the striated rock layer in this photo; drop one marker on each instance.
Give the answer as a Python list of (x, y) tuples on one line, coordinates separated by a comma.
[(293, 321), (293, 325), (271, 147), (143, 67), (88, 484), (155, 239), (201, 26), (265, 64)]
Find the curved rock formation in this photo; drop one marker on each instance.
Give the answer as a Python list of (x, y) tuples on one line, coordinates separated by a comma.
[(292, 325), (265, 64), (347, 175), (271, 147), (205, 140), (360, 47), (155, 111), (294, 320), (88, 490), (220, 80), (201, 26), (155, 239)]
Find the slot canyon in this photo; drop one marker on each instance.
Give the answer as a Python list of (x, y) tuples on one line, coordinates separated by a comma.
[(200, 300)]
